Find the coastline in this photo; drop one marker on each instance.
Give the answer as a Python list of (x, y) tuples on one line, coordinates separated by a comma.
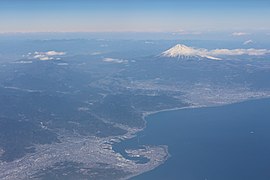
[(147, 114), (211, 130), (77, 149)]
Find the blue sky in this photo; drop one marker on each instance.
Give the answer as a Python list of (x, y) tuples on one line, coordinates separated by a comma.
[(185, 16)]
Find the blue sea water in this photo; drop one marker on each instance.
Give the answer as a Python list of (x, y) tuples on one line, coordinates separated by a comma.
[(230, 142)]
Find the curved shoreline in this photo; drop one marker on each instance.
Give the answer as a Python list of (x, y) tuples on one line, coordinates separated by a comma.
[(147, 114), (78, 149)]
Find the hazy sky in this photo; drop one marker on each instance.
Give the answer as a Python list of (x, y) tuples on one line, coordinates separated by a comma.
[(133, 15)]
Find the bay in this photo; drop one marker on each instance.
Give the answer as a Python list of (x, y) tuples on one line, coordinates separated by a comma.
[(230, 142)]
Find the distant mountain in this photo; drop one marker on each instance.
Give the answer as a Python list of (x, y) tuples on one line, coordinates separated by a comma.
[(185, 52)]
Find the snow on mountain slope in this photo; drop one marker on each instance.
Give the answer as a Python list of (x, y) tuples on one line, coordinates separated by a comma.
[(182, 51)]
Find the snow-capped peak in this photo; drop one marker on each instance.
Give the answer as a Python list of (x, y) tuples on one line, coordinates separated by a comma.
[(183, 51), (180, 50)]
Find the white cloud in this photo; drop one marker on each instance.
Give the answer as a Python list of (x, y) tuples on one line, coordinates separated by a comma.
[(45, 56), (240, 34), (96, 53), (210, 57), (238, 52), (248, 42), (62, 64), (54, 53), (113, 60), (149, 42), (23, 62)]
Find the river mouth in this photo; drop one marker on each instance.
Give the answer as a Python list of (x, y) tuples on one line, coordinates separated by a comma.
[(226, 142)]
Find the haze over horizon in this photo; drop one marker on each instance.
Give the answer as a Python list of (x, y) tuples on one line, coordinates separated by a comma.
[(186, 17)]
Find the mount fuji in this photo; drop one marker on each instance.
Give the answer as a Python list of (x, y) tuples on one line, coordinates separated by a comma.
[(185, 52)]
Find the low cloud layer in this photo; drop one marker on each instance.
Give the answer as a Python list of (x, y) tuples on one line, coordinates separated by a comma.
[(238, 52), (96, 53), (240, 34), (113, 60), (45, 56)]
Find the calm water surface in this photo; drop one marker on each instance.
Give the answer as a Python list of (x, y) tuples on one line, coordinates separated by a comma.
[(230, 142)]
